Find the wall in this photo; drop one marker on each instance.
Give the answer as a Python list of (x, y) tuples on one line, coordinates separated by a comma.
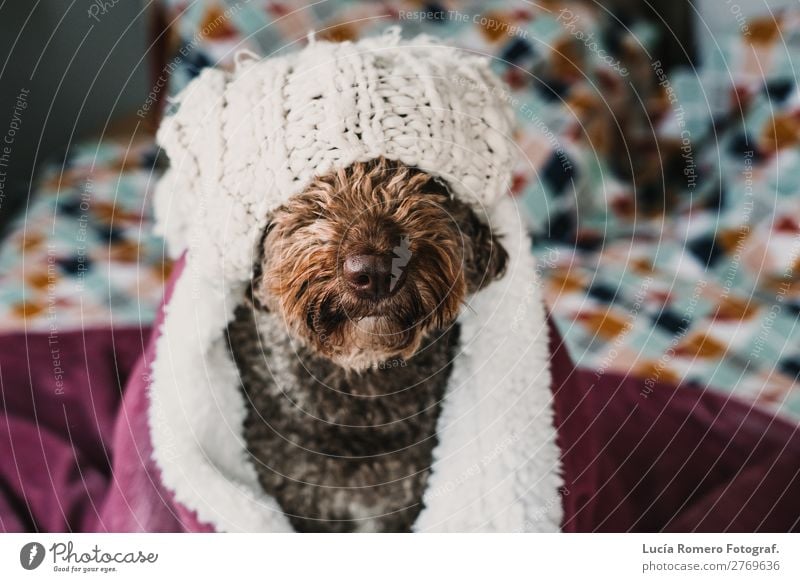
[(63, 75)]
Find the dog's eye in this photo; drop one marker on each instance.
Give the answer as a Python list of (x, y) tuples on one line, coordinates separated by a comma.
[(437, 187)]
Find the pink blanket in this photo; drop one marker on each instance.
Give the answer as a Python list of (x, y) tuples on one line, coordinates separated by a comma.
[(76, 456)]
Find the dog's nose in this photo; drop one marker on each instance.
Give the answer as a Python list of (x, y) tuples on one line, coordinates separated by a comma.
[(369, 275)]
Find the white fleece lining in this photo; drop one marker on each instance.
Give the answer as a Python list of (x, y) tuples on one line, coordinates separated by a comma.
[(496, 467)]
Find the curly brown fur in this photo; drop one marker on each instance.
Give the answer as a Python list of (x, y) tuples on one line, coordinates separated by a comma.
[(341, 419), (369, 208), (339, 452)]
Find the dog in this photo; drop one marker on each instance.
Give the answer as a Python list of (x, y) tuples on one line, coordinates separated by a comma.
[(345, 339)]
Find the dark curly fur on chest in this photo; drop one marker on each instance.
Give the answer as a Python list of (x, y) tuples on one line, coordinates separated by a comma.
[(340, 451)]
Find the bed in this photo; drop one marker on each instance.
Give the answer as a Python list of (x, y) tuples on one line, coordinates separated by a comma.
[(667, 232)]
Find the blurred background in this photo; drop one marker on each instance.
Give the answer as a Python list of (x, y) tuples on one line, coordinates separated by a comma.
[(659, 170)]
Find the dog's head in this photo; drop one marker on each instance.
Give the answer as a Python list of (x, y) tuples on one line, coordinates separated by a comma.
[(367, 260)]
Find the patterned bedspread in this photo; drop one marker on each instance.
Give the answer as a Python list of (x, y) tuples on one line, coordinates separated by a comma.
[(664, 206), (82, 255)]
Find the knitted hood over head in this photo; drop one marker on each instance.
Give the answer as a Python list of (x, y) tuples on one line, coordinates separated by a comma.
[(240, 145)]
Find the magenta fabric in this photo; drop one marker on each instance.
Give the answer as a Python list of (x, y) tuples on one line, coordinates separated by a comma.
[(677, 459), (136, 501), (60, 393)]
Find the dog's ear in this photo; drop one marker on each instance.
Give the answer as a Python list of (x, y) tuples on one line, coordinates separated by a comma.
[(485, 256), (255, 294), (490, 256)]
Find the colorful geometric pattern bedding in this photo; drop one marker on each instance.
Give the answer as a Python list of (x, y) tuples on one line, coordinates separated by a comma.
[(83, 254), (667, 233), (708, 292)]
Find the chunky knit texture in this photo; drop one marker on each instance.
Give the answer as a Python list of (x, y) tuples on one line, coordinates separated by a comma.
[(242, 143)]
